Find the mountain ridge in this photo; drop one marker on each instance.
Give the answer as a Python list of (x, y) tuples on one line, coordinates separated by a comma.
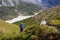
[(42, 3)]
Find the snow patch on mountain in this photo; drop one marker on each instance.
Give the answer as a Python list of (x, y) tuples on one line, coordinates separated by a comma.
[(19, 18)]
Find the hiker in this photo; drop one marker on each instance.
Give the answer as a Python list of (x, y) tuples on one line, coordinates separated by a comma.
[(21, 27), (43, 23)]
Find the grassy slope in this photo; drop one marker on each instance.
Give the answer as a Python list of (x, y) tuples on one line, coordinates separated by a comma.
[(36, 32), (10, 30), (51, 14), (32, 29)]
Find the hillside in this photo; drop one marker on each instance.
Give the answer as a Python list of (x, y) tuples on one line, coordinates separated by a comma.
[(23, 8), (8, 30), (7, 12), (51, 31), (39, 33), (51, 14), (42, 3), (12, 8), (32, 28), (33, 31)]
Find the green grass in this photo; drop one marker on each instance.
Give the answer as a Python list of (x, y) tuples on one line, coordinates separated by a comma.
[(55, 23), (36, 32), (23, 8), (32, 29), (10, 30)]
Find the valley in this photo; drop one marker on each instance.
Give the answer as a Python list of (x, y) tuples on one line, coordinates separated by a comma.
[(29, 19)]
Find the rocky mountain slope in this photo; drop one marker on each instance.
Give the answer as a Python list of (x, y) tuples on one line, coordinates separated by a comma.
[(23, 7), (12, 32)]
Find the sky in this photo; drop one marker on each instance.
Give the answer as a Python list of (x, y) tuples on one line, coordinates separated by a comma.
[(51, 3)]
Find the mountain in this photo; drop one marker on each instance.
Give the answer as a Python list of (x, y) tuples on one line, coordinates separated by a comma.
[(16, 2), (44, 3), (52, 13), (23, 8), (49, 15), (8, 31), (33, 30), (12, 32)]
